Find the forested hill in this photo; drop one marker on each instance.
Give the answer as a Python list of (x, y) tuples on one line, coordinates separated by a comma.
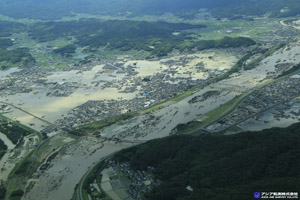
[(17, 55), (221, 167), (53, 9), (153, 37)]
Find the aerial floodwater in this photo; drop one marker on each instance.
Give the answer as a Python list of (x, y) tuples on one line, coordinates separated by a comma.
[(99, 83), (133, 100)]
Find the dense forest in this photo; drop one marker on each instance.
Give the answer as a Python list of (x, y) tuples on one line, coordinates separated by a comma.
[(67, 50), (7, 28), (157, 38), (3, 147), (18, 55), (86, 30), (154, 37), (2, 192), (13, 131), (5, 43), (290, 71), (54, 9), (221, 167)]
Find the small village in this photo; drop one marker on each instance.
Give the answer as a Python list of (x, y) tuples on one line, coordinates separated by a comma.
[(136, 183)]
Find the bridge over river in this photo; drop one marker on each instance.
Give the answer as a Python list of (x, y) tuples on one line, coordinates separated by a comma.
[(63, 130)]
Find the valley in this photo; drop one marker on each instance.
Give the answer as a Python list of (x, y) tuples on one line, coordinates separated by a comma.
[(88, 86)]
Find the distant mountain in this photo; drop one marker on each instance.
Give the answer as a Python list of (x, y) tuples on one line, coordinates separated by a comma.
[(53, 9)]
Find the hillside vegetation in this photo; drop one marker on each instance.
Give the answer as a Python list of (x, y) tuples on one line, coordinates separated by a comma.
[(13, 131), (221, 167), (3, 147), (157, 38), (15, 55), (7, 28)]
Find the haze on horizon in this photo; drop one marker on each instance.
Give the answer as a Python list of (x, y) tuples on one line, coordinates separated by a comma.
[(53, 9)]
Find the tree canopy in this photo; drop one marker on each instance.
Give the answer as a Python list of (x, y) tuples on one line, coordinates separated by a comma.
[(221, 167)]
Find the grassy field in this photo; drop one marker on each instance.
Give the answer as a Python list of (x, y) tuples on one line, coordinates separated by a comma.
[(42, 51), (16, 176), (90, 128), (20, 165), (186, 94), (212, 116), (258, 29), (29, 164), (215, 30), (221, 111)]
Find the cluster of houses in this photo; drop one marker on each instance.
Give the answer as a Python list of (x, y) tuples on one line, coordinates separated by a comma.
[(261, 100), (62, 89), (97, 110), (148, 89), (20, 82), (140, 181), (287, 111), (34, 80), (151, 92)]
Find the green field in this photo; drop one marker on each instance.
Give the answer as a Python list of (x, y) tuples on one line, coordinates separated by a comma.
[(98, 125)]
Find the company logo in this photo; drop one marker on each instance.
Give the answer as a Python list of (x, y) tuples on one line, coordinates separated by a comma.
[(257, 195)]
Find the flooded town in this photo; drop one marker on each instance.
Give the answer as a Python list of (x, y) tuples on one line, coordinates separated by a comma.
[(160, 123), (79, 90), (281, 95), (72, 98)]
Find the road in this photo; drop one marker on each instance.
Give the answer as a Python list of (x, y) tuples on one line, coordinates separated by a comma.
[(28, 113), (80, 196), (123, 141), (63, 129), (259, 113)]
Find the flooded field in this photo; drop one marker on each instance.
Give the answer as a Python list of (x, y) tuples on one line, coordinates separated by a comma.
[(95, 84), (9, 161), (69, 168), (268, 68), (207, 59)]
